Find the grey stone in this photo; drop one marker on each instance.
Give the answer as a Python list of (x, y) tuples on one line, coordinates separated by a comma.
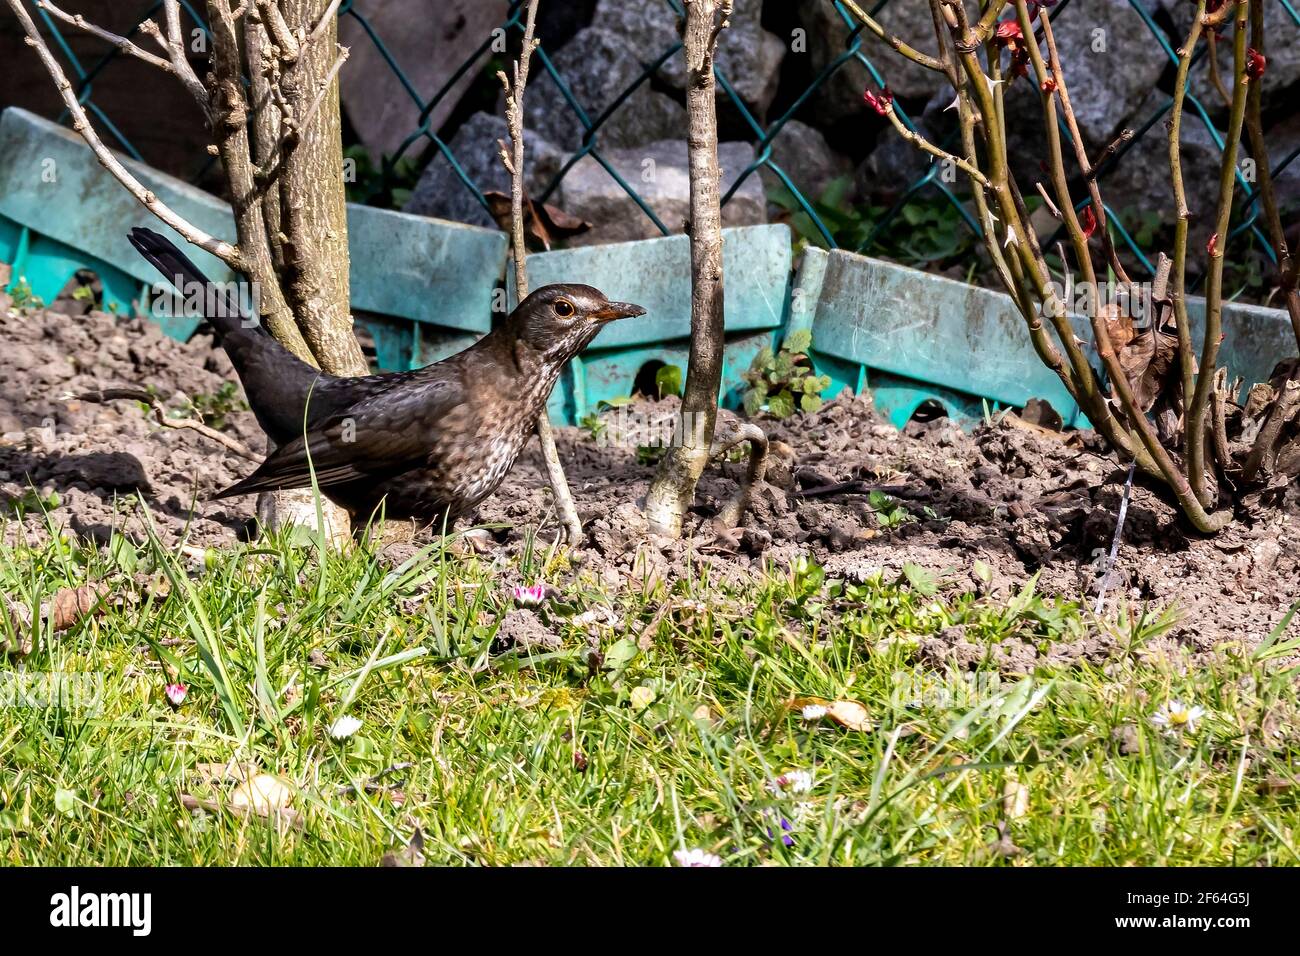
[(840, 97), (658, 172), (1111, 61), (1141, 184), (1281, 46), (599, 65), (748, 56), (895, 164), (440, 192), (804, 155), (429, 41), (1283, 138)]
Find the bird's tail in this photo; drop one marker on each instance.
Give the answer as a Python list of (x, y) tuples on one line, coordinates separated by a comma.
[(221, 306)]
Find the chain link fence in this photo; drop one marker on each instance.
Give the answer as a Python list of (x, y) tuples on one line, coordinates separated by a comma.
[(860, 48)]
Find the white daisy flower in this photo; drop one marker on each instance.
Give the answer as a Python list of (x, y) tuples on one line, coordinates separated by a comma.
[(345, 727), (792, 781), (696, 857), (1175, 717)]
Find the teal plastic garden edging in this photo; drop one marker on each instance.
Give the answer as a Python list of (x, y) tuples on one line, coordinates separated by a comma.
[(425, 289), (656, 274)]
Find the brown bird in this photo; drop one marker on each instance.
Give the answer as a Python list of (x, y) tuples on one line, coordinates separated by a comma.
[(426, 445)]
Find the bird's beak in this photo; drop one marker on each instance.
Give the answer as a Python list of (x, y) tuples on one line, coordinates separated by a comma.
[(617, 310)]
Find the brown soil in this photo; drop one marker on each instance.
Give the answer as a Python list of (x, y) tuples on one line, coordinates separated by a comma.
[(1021, 501)]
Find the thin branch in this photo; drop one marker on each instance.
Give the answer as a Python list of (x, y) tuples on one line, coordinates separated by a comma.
[(161, 414), (1081, 150), (121, 42), (1288, 268), (1199, 403), (514, 163), (916, 56), (729, 432), (180, 61), (323, 24), (224, 251), (920, 142)]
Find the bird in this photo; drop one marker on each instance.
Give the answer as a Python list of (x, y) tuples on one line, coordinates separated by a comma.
[(425, 445)]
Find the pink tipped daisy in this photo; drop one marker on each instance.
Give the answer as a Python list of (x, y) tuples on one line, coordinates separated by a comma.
[(176, 694), (696, 857), (531, 596), (792, 781)]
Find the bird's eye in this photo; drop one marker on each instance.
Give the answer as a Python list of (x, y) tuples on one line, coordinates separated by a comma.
[(564, 308)]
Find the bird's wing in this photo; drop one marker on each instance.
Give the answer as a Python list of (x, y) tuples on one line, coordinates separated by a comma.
[(384, 435)]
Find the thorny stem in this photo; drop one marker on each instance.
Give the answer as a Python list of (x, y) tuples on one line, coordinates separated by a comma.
[(514, 163), (1288, 268), (1081, 150), (1167, 469), (1195, 429), (1186, 358), (916, 56)]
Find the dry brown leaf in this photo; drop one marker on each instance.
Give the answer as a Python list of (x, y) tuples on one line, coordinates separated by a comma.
[(848, 714), (1015, 799), (264, 794), (543, 223), (70, 605)]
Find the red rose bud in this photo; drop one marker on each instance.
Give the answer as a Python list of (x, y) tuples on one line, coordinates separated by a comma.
[(1089, 222), (1213, 245), (1009, 33), (1256, 63), (881, 103)]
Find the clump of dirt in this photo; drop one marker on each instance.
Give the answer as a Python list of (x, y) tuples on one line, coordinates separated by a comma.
[(95, 457), (988, 509)]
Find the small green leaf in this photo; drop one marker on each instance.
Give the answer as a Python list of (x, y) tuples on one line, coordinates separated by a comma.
[(810, 403), (668, 380), (923, 582), (799, 340), (781, 404), (65, 801)]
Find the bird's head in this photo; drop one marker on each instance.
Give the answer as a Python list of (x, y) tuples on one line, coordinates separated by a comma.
[(559, 321)]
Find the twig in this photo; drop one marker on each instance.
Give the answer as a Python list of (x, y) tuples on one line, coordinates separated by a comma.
[(514, 163), (916, 56), (81, 124), (160, 413), (121, 42), (175, 45), (323, 24), (729, 432), (1284, 409), (919, 141), (1198, 404), (1288, 268)]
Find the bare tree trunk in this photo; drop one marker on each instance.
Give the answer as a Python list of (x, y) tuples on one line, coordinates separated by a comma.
[(313, 200), (673, 489)]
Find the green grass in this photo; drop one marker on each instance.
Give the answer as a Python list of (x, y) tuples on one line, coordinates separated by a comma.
[(543, 758)]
